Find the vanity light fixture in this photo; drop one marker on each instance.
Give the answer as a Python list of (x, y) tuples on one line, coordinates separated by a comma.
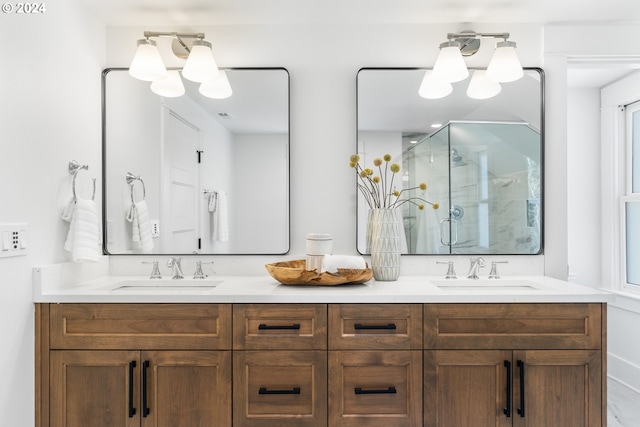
[(200, 65), (482, 87), (218, 88), (450, 66), (433, 88)]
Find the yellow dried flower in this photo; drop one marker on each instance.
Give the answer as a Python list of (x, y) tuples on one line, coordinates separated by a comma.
[(387, 157), (354, 158), (396, 193), (376, 179), (377, 162), (369, 171), (421, 207), (363, 173), (395, 168), (353, 164), (436, 205), (423, 186)]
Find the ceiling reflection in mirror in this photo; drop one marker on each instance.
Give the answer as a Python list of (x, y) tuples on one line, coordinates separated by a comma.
[(205, 176), (482, 161)]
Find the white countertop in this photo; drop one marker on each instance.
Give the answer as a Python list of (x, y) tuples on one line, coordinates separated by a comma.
[(264, 289)]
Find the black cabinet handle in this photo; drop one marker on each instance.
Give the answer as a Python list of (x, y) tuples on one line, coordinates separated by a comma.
[(507, 410), (388, 390), (145, 406), (389, 326), (132, 409), (264, 390), (263, 327), (520, 364)]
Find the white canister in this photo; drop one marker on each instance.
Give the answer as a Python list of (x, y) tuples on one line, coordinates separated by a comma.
[(318, 245)]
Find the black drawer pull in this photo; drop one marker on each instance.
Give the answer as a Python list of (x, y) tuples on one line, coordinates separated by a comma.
[(388, 390), (263, 327), (263, 390), (389, 326)]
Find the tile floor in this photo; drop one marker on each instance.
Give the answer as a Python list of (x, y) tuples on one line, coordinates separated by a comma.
[(623, 405)]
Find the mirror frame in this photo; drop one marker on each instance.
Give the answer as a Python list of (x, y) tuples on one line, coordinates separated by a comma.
[(541, 73), (105, 251)]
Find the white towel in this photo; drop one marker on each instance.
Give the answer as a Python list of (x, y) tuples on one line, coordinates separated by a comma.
[(220, 226), (138, 216), (212, 201), (331, 263), (83, 238)]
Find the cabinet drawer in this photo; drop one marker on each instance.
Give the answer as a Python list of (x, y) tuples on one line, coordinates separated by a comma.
[(280, 326), (375, 388), (514, 326), (141, 326), (279, 388), (375, 326)]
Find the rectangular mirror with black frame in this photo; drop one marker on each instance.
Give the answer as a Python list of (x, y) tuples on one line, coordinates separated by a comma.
[(482, 160)]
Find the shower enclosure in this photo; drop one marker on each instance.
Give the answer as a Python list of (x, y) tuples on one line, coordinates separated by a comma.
[(487, 179)]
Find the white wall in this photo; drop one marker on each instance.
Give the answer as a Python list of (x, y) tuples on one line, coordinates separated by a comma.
[(50, 114), (583, 198)]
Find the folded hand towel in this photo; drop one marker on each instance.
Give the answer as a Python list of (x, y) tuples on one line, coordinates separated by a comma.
[(138, 216), (331, 263), (84, 232), (212, 201), (220, 231)]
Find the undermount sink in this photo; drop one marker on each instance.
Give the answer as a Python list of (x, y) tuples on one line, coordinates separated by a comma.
[(497, 285), (166, 285)]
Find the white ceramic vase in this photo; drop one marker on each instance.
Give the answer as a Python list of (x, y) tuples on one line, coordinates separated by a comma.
[(383, 241)]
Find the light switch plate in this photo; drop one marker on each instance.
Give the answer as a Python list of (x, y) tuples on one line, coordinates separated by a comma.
[(14, 240)]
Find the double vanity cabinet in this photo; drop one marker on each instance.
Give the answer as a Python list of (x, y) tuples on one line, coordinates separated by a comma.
[(329, 364)]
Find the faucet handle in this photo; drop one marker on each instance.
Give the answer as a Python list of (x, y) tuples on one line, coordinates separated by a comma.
[(493, 274), (199, 274), (155, 270), (451, 274)]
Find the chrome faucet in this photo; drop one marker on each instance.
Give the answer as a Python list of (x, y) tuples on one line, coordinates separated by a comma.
[(199, 274), (476, 264), (174, 264)]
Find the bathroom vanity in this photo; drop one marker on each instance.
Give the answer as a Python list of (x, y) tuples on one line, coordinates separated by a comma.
[(251, 352)]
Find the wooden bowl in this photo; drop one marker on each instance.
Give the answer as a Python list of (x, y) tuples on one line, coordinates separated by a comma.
[(294, 273)]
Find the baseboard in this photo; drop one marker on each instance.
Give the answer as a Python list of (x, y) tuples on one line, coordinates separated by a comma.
[(624, 372)]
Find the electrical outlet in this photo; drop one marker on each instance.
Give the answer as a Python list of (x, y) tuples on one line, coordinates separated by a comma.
[(155, 228), (14, 240)]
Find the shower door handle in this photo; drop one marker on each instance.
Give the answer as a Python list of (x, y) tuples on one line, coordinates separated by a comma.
[(453, 231)]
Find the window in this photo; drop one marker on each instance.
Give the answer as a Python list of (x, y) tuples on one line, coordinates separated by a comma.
[(631, 200)]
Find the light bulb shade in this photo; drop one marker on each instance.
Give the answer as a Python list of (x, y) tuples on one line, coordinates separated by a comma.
[(480, 87), (219, 88), (169, 87), (432, 88), (200, 66), (147, 64), (450, 66), (505, 65)]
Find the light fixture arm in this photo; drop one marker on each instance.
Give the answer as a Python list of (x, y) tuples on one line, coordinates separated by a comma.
[(474, 35), (177, 36)]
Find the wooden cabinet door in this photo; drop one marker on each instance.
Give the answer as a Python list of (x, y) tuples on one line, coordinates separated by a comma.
[(558, 388), (375, 388), (186, 388), (94, 388), (467, 388)]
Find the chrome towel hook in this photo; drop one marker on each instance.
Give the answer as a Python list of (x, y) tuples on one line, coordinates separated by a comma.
[(131, 179), (74, 169)]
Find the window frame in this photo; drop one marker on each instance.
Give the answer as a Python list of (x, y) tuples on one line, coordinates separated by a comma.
[(627, 194)]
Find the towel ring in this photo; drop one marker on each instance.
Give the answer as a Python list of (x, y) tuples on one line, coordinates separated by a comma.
[(131, 179), (74, 169)]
